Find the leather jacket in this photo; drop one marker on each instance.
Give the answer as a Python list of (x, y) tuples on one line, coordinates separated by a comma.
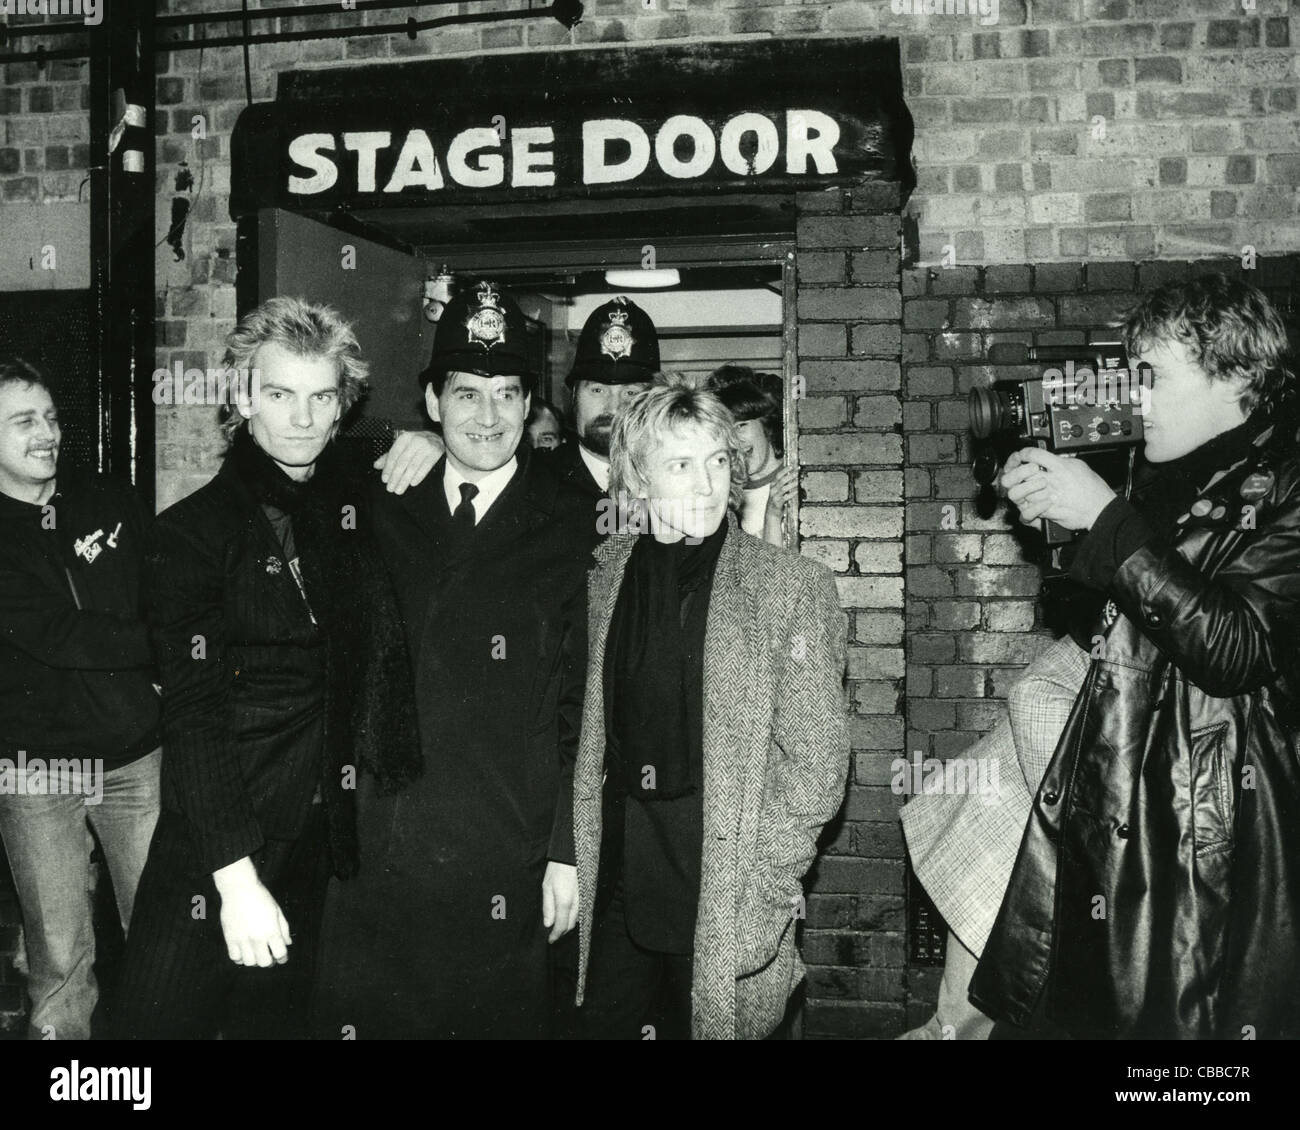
[(1157, 889)]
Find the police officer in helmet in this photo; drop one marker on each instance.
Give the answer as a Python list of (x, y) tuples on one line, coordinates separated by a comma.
[(618, 355)]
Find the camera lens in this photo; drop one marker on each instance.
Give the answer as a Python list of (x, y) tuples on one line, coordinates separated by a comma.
[(990, 412)]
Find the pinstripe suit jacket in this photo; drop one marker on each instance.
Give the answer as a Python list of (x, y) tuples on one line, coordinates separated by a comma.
[(775, 762)]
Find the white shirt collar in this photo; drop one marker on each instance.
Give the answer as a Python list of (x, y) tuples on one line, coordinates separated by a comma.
[(489, 486), (599, 468)]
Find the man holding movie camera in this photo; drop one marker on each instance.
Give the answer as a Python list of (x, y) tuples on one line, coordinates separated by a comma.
[(1157, 884)]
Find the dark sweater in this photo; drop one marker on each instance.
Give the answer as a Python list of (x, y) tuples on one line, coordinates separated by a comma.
[(76, 669), (655, 847)]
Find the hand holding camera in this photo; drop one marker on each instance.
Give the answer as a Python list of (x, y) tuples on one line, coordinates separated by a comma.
[(1091, 405), (1062, 489)]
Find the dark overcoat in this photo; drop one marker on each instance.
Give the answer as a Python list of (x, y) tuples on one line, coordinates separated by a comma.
[(447, 931), (271, 696), (567, 462)]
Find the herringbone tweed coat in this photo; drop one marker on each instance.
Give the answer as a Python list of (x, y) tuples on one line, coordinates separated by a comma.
[(775, 762)]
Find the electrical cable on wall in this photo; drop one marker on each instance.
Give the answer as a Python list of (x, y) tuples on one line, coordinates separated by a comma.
[(183, 206)]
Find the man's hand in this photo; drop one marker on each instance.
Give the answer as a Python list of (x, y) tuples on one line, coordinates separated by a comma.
[(559, 899), (1063, 490), (412, 456), (255, 929)]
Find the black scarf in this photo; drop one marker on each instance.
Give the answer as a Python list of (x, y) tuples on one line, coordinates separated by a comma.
[(654, 648), (1165, 490)]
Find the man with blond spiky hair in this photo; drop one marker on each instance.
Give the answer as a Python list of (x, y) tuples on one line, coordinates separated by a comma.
[(283, 673)]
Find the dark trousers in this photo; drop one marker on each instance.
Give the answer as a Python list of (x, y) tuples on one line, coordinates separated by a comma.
[(179, 981), (633, 993)]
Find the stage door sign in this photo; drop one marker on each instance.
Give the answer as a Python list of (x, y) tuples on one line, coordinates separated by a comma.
[(779, 114)]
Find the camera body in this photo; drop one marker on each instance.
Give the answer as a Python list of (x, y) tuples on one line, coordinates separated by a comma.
[(1087, 402)]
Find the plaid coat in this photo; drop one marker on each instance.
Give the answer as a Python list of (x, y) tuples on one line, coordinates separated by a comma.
[(963, 846), (775, 762)]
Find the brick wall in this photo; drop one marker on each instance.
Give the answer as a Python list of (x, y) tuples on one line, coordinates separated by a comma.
[(1106, 129), (848, 309), (44, 160), (45, 143)]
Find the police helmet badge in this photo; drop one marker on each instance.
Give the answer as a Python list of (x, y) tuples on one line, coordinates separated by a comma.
[(616, 339), (487, 324)]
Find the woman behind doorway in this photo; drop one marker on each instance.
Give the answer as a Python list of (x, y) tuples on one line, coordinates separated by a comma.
[(754, 399)]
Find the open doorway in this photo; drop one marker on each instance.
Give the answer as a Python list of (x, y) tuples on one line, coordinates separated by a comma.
[(706, 315), (713, 304)]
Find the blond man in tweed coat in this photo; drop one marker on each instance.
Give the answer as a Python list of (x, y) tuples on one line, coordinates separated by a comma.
[(775, 742)]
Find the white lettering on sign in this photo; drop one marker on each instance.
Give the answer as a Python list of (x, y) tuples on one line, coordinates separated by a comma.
[(305, 150), (530, 168), (614, 151), (417, 165), (595, 138), (810, 134), (366, 145), (766, 136), (703, 147), (491, 169)]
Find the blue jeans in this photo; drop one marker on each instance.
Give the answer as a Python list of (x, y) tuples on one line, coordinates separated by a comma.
[(48, 840)]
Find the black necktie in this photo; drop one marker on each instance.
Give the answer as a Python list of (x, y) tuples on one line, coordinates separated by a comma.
[(464, 513)]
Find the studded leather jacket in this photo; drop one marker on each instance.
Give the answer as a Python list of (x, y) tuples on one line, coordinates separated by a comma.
[(1157, 889)]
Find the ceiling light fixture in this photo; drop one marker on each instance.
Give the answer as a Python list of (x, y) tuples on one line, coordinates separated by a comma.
[(635, 279)]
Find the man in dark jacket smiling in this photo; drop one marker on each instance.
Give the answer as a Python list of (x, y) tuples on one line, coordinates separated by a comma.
[(78, 708), (1155, 893), (450, 938)]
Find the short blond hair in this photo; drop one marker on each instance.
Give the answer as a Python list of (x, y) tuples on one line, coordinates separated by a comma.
[(672, 401), (304, 328)]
